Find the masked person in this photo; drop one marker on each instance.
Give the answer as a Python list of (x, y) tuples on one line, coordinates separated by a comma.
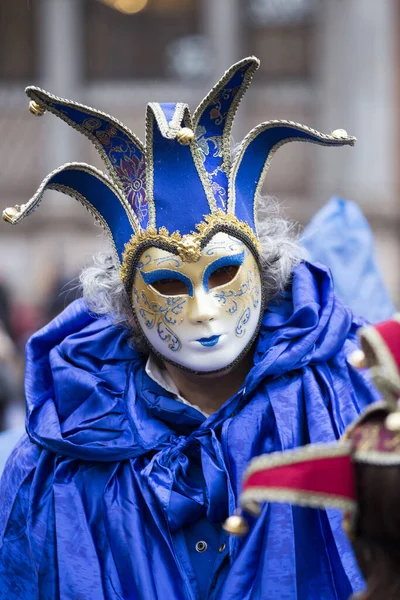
[(138, 436), (359, 474)]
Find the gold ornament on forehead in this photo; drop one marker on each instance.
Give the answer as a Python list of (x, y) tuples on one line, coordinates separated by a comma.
[(188, 246)]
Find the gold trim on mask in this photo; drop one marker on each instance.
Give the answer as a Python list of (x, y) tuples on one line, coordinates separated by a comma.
[(188, 246)]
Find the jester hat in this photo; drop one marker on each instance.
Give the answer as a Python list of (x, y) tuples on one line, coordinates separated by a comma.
[(323, 475), (182, 186)]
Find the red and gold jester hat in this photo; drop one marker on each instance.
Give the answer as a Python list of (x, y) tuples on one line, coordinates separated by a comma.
[(323, 475), (182, 186)]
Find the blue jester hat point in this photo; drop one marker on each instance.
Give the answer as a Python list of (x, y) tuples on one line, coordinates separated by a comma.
[(144, 198)]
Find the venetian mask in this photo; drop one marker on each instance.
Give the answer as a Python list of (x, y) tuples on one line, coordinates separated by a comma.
[(203, 315)]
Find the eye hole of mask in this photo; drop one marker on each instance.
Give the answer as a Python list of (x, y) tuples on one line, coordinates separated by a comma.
[(170, 287), (222, 276)]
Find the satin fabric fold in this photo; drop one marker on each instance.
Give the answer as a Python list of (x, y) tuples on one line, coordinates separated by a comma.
[(187, 490), (94, 500)]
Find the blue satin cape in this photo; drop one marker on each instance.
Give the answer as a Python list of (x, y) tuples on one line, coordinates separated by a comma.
[(97, 498)]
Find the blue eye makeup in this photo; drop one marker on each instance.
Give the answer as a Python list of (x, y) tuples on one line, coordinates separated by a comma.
[(234, 260), (167, 274)]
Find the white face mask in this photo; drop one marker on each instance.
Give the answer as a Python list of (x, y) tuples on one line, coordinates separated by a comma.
[(199, 315)]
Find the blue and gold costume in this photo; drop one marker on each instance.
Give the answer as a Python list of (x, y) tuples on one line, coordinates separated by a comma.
[(118, 490)]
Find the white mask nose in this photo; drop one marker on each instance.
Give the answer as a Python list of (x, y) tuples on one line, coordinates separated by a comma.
[(202, 308)]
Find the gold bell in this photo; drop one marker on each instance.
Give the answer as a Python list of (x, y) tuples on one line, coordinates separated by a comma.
[(185, 136), (11, 213), (36, 109), (392, 421), (339, 134), (357, 359), (347, 526), (236, 525)]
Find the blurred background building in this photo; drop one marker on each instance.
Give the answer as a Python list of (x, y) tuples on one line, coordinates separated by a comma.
[(328, 64)]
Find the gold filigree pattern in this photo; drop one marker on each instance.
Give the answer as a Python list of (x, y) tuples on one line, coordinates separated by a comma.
[(187, 246)]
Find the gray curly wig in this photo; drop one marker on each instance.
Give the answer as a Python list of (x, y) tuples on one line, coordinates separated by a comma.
[(105, 294)]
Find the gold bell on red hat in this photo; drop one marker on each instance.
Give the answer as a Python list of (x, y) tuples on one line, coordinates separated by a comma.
[(236, 525), (357, 359)]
